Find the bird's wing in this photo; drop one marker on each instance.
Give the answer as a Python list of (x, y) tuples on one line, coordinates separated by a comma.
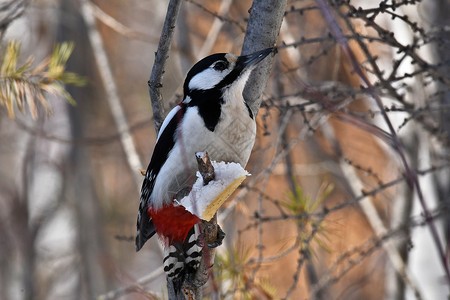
[(164, 144)]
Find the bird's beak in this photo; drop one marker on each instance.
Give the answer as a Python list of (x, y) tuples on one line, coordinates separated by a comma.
[(247, 61)]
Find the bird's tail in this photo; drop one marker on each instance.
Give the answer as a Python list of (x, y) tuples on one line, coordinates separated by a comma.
[(145, 230), (182, 259)]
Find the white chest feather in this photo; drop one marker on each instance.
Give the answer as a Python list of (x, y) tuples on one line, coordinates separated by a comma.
[(231, 141)]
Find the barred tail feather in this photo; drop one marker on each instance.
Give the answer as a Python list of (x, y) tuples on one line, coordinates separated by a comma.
[(182, 259)]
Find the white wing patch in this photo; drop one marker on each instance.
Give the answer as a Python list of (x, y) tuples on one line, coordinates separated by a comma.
[(181, 158), (169, 117)]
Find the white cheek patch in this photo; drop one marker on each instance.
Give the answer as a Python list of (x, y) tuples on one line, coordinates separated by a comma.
[(207, 79)]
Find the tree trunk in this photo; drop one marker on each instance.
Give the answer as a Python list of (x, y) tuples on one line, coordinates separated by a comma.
[(262, 32)]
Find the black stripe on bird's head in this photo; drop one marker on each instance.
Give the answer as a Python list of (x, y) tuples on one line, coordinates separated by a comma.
[(220, 71)]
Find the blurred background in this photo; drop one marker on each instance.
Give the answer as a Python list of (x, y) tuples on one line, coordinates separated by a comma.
[(328, 213)]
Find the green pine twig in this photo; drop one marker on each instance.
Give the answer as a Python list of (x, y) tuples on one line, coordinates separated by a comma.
[(25, 85)]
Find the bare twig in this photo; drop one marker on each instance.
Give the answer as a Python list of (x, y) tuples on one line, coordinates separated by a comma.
[(340, 206), (112, 92), (100, 140), (115, 104), (161, 56), (378, 227), (411, 176), (353, 257), (278, 144), (119, 27), (304, 255), (156, 77), (219, 16), (214, 31), (137, 286)]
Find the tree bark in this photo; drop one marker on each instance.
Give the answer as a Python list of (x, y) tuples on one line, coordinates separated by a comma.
[(262, 32), (161, 56)]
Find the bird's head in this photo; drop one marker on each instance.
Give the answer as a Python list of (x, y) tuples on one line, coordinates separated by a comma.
[(220, 72)]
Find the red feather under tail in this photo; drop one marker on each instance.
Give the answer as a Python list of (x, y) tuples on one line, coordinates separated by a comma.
[(172, 222)]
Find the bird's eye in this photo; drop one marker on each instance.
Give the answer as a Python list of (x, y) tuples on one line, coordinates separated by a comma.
[(220, 65)]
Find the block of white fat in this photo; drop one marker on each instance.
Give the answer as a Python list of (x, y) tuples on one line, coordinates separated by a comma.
[(204, 200)]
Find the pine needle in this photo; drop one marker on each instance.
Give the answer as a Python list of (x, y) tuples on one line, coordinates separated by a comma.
[(27, 86)]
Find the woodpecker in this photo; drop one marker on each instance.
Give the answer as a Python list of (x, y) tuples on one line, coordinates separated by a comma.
[(212, 117)]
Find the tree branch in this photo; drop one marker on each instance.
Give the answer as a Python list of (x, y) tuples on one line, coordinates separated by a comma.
[(375, 221), (262, 32), (161, 56), (112, 94), (412, 179), (119, 27), (137, 286), (193, 287)]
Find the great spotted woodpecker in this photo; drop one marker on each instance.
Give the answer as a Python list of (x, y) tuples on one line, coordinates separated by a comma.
[(212, 117)]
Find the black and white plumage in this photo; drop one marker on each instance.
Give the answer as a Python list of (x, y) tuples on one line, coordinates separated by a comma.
[(212, 117)]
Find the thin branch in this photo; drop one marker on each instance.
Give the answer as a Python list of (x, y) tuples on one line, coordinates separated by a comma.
[(112, 93), (358, 254), (278, 144), (276, 256), (106, 75), (304, 255), (375, 221), (410, 51), (137, 286), (96, 141), (340, 206), (321, 39), (219, 16), (161, 56), (118, 27), (215, 29), (411, 176)]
